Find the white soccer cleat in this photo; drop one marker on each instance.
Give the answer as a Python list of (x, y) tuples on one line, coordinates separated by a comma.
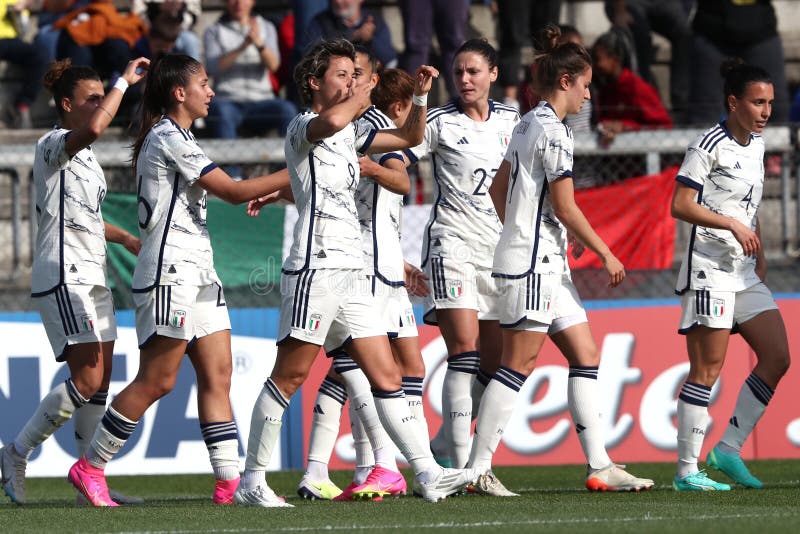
[(12, 470), (261, 495), (489, 484), (613, 477), (446, 482)]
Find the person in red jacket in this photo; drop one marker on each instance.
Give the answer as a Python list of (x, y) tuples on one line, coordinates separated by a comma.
[(623, 100)]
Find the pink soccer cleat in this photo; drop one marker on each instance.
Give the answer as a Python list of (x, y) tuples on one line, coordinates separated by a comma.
[(224, 490), (347, 494), (380, 483), (90, 481)]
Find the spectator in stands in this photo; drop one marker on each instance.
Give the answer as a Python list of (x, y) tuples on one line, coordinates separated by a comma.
[(345, 18), (16, 51), (186, 11), (794, 114), (669, 19), (517, 21), (623, 100), (723, 29), (420, 19), (241, 50), (104, 44)]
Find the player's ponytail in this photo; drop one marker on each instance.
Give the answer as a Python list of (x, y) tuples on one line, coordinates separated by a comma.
[(557, 59), (61, 79), (738, 75)]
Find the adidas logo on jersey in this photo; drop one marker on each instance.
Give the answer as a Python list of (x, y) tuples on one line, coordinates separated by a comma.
[(321, 254), (73, 269), (463, 141), (737, 166), (579, 428), (172, 269)]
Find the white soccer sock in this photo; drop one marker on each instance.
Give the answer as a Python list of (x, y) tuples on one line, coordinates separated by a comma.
[(584, 404), (86, 418), (109, 437), (478, 387), (457, 404), (325, 427), (495, 410), (222, 442), (265, 429), (362, 402), (396, 418), (365, 460), (692, 424), (753, 400), (54, 410), (412, 387)]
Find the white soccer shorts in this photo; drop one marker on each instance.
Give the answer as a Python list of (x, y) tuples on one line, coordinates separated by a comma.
[(547, 303), (723, 309), (461, 285), (75, 314)]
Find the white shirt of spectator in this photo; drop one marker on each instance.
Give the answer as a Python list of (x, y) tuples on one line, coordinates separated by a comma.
[(465, 154), (71, 237), (324, 176), (533, 240), (729, 179), (176, 249), (379, 213)]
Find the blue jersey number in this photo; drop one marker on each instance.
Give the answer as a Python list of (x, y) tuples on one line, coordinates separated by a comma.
[(481, 189)]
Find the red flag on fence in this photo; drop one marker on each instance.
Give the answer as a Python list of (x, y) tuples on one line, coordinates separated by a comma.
[(633, 218)]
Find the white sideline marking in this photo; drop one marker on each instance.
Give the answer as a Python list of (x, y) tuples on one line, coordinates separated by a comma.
[(533, 522)]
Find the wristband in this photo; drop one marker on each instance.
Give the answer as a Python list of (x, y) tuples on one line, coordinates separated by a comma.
[(121, 84), (420, 100)]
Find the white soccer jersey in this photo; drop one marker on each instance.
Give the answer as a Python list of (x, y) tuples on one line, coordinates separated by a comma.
[(324, 176), (176, 249), (71, 238), (465, 155), (729, 179), (379, 215), (533, 239)]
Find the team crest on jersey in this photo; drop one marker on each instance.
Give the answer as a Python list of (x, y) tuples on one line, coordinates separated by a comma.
[(454, 288), (87, 321), (717, 308), (313, 322), (504, 139), (178, 319)]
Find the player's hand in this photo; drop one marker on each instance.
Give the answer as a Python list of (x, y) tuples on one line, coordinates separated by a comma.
[(614, 268), (578, 248), (132, 244), (254, 206), (416, 281), (136, 70), (424, 79), (368, 167), (749, 240)]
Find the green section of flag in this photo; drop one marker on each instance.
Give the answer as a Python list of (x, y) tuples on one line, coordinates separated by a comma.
[(247, 250)]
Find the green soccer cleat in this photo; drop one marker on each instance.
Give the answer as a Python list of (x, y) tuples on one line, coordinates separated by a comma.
[(698, 482), (732, 465)]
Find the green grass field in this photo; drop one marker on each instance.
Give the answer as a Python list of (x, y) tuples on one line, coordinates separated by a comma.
[(552, 500)]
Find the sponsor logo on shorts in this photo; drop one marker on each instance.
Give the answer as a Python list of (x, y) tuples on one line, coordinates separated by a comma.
[(409, 315), (454, 288), (313, 322), (88, 323), (178, 319)]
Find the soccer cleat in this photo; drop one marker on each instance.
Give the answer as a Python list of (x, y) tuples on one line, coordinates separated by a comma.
[(117, 497), (613, 477), (261, 495), (224, 490), (698, 481), (324, 490), (446, 482), (489, 484), (379, 483), (347, 494), (91, 482), (12, 467), (732, 465)]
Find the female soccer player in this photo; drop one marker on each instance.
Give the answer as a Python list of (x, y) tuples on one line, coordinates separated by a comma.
[(721, 280), (180, 305), (467, 139), (533, 195), (322, 279), (69, 284)]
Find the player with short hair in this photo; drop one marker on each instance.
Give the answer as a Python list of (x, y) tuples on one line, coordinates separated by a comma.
[(69, 284), (322, 279), (721, 281), (180, 304), (534, 197), (466, 139)]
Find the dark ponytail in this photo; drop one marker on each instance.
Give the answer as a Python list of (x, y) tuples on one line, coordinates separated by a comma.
[(738, 75), (62, 78), (556, 60)]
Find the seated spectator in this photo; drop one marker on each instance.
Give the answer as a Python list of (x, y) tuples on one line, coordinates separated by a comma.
[(241, 50), (98, 36), (622, 101), (345, 18), (187, 11), (17, 52), (725, 29), (670, 19)]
